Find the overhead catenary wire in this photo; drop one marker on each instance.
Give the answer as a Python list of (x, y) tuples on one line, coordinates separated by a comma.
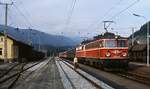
[(22, 14), (25, 10), (136, 27), (71, 12), (14, 12), (2, 11), (114, 16), (23, 7), (11, 19), (105, 14), (1, 14), (27, 16)]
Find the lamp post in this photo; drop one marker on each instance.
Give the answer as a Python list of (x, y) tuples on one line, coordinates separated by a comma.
[(147, 35)]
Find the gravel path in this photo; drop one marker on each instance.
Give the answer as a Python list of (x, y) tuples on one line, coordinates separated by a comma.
[(45, 77)]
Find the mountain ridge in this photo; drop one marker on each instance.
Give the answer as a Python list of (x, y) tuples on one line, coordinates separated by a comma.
[(38, 37)]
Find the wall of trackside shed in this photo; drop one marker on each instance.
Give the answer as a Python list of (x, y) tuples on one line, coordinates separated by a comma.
[(24, 51), (36, 55)]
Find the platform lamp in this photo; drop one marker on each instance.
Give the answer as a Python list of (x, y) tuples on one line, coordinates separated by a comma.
[(147, 35)]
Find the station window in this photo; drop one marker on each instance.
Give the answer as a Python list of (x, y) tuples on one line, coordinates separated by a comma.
[(0, 51)]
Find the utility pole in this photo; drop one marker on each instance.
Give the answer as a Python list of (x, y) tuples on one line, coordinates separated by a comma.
[(39, 42), (147, 37), (5, 30), (30, 36), (132, 36), (148, 43)]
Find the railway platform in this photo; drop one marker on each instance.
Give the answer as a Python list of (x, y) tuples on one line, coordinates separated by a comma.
[(139, 69), (137, 64)]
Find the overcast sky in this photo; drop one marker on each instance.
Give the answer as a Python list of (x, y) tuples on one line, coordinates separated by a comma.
[(50, 16)]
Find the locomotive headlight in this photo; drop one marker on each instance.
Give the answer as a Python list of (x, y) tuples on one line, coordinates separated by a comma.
[(124, 54), (108, 54)]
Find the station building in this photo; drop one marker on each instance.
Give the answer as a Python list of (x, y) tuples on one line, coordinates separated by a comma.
[(138, 52), (15, 49)]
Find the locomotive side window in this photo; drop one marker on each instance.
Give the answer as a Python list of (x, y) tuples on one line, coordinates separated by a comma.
[(80, 48), (93, 45), (110, 43), (101, 44)]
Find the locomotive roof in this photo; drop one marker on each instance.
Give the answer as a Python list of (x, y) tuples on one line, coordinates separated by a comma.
[(106, 35)]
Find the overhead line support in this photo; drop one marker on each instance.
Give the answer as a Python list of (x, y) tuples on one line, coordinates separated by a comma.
[(5, 30)]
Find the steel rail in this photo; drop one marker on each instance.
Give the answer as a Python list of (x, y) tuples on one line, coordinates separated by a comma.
[(17, 75), (89, 80), (5, 73), (73, 86)]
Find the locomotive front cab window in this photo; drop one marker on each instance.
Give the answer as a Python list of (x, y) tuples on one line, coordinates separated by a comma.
[(121, 43), (110, 43)]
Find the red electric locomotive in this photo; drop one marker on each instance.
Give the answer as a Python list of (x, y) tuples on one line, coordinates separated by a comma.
[(108, 51)]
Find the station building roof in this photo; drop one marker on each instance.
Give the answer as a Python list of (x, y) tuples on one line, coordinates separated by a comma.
[(15, 34), (16, 40), (138, 47)]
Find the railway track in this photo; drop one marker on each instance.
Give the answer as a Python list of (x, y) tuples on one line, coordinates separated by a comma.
[(132, 76), (92, 82), (129, 75), (97, 86), (73, 86), (11, 77), (5, 72)]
